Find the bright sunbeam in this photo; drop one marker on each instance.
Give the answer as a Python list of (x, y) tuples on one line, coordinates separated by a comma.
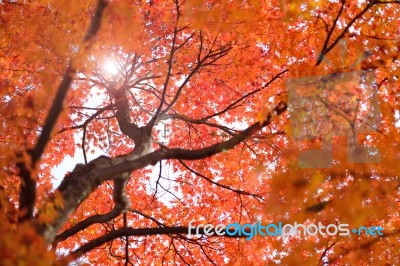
[(110, 67)]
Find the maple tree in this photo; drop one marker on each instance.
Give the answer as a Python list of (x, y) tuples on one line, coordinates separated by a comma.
[(187, 101)]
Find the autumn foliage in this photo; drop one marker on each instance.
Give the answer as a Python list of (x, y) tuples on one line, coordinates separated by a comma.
[(124, 120)]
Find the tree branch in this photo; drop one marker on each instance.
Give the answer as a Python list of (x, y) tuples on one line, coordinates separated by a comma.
[(28, 182), (100, 218), (327, 48), (238, 191), (84, 179), (140, 232)]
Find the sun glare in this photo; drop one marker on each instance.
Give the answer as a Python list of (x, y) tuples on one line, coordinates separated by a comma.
[(110, 67)]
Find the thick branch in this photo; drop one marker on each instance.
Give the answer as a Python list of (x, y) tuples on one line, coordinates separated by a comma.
[(121, 204), (77, 186), (100, 218), (28, 183), (62, 90)]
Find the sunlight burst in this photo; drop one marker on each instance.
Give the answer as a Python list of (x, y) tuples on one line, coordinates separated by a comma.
[(110, 67)]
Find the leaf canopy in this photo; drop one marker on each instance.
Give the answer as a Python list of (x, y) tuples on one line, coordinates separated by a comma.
[(122, 121)]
